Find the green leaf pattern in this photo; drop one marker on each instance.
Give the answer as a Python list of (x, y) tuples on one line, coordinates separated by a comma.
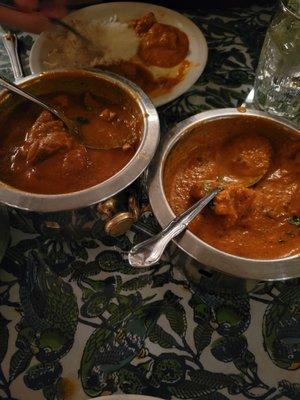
[(19, 362)]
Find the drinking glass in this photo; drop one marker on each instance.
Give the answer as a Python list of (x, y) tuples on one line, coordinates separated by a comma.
[(277, 81)]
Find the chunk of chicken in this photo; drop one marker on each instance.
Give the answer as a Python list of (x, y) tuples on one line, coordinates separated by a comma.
[(47, 136), (143, 24), (45, 147), (75, 160), (202, 188), (45, 123), (233, 203)]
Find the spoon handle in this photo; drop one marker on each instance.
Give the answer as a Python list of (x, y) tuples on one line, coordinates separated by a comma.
[(11, 46), (14, 88), (150, 251)]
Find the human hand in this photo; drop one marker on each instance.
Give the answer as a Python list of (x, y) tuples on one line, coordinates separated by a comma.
[(32, 15)]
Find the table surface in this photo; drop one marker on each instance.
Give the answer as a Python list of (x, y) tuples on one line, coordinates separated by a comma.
[(76, 321)]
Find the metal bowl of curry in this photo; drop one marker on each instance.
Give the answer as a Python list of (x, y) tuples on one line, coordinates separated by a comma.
[(252, 233), (44, 169)]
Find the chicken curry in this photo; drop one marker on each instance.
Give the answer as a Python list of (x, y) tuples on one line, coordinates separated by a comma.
[(38, 155), (259, 221), (161, 45)]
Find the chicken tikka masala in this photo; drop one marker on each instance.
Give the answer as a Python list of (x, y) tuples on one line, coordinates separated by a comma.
[(260, 221), (38, 155), (161, 45)]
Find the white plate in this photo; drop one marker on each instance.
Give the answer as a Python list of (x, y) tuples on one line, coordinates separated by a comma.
[(126, 11)]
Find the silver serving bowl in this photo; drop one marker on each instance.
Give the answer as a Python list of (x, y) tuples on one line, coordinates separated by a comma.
[(102, 85), (200, 253)]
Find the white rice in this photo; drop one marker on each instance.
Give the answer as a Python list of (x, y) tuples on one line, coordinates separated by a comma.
[(112, 41)]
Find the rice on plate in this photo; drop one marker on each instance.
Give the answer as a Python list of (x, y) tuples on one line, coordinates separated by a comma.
[(160, 50), (116, 46), (111, 41)]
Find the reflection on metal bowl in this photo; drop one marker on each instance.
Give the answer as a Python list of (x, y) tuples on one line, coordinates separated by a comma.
[(199, 253)]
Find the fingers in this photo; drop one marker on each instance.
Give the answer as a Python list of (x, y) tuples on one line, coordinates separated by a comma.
[(32, 15), (34, 22)]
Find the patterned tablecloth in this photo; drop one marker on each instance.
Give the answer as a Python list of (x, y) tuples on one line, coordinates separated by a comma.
[(77, 321)]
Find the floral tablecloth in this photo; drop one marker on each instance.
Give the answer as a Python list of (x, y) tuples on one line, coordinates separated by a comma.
[(76, 321)]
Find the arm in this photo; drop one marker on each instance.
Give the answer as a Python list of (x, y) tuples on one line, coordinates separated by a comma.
[(30, 15)]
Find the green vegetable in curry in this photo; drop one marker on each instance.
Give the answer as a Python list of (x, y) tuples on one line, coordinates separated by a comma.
[(295, 220)]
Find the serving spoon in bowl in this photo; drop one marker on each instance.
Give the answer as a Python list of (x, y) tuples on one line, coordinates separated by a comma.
[(150, 251), (72, 127)]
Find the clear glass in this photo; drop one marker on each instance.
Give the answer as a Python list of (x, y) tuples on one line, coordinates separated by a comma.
[(277, 81)]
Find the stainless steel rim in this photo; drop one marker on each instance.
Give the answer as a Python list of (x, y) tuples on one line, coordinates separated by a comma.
[(276, 269), (144, 154)]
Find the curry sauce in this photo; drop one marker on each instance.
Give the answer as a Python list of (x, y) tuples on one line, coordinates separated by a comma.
[(261, 221), (161, 45), (38, 155)]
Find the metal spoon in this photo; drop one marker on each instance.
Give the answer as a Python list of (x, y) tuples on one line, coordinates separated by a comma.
[(71, 125), (11, 46), (10, 42), (149, 252)]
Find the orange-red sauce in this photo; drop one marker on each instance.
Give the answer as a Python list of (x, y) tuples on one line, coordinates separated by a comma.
[(141, 76), (251, 222), (161, 45), (38, 155)]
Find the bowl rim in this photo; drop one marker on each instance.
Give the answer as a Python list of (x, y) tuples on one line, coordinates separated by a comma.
[(242, 267), (17, 198)]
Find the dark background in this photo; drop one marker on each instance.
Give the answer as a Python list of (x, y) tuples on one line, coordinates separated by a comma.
[(188, 4), (177, 4)]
